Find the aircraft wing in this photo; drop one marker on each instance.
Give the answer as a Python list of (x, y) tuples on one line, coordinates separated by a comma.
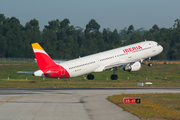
[(59, 61), (32, 72), (56, 61), (29, 72), (121, 65)]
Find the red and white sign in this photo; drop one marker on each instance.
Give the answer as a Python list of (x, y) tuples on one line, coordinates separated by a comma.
[(131, 100)]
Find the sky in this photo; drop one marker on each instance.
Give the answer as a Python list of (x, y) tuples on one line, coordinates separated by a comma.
[(113, 14)]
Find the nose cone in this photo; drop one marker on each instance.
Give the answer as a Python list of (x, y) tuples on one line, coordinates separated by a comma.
[(160, 48)]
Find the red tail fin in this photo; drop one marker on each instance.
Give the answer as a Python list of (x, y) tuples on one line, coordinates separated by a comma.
[(43, 59)]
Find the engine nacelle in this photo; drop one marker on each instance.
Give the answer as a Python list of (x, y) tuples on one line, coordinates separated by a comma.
[(134, 67)]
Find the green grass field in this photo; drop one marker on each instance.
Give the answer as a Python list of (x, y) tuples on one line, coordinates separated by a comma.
[(157, 106), (160, 75)]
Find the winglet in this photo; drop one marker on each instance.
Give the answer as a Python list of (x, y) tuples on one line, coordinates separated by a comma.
[(43, 59)]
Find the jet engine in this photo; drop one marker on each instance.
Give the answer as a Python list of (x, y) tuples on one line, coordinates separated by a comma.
[(134, 67)]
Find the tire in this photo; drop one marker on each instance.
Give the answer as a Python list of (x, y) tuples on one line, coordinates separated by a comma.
[(150, 64), (90, 77), (114, 77)]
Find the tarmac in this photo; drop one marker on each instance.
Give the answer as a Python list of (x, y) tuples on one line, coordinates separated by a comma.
[(68, 103)]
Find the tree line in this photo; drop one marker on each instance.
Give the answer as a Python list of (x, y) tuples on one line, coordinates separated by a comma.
[(64, 41)]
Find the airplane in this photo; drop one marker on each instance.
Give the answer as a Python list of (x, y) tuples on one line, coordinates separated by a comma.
[(128, 57)]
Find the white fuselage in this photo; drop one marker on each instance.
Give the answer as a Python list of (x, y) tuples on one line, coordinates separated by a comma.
[(112, 58)]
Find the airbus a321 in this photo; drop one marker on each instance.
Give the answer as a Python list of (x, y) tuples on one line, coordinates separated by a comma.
[(128, 57)]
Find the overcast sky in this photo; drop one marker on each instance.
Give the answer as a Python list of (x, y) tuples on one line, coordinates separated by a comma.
[(108, 13)]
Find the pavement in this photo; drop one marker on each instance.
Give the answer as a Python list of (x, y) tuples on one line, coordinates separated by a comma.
[(67, 104)]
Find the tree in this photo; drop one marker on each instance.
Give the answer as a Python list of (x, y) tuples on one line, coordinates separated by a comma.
[(79, 30), (177, 24), (49, 41), (63, 41), (2, 18), (54, 24), (106, 35), (3, 46), (135, 37), (155, 28), (32, 31), (115, 39), (64, 24), (92, 26), (34, 23), (130, 29)]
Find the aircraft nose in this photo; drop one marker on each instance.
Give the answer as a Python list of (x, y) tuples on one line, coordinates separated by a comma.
[(160, 48)]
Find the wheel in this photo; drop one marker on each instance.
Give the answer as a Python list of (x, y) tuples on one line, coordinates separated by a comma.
[(114, 77), (90, 77), (150, 64)]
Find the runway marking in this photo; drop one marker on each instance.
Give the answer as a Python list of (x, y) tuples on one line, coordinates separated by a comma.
[(9, 99)]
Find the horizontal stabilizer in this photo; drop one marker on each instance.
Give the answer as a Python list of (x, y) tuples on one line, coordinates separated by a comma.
[(29, 72)]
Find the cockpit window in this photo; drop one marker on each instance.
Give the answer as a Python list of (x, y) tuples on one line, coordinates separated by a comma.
[(157, 44)]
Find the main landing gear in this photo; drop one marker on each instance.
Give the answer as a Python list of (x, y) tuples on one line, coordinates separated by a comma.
[(150, 64), (114, 76), (90, 77)]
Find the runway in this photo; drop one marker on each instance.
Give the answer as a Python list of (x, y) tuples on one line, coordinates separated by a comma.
[(67, 104)]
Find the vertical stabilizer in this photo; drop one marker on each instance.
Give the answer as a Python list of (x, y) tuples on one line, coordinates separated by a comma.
[(43, 59)]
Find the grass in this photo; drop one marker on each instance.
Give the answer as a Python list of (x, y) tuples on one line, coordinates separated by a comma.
[(160, 75), (154, 105), (165, 106)]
